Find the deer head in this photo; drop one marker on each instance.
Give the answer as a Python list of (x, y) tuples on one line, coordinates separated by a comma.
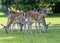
[(6, 28), (44, 10), (47, 26)]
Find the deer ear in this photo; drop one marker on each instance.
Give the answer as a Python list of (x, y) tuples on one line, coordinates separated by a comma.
[(49, 23), (3, 25)]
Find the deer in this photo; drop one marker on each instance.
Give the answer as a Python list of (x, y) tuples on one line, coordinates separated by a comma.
[(8, 13), (38, 17), (15, 16)]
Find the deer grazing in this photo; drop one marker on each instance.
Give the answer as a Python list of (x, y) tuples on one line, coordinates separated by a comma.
[(8, 13), (38, 17), (31, 15), (15, 16)]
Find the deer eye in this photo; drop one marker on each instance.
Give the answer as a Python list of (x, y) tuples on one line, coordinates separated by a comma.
[(45, 11)]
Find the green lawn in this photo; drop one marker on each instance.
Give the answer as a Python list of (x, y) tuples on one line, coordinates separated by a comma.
[(55, 21), (3, 20), (52, 36)]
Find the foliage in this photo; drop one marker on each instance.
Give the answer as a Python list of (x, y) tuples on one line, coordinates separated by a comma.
[(27, 4), (57, 7), (22, 3)]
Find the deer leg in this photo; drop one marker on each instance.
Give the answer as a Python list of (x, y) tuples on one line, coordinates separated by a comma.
[(21, 26), (39, 26), (7, 27), (12, 26), (36, 24), (29, 27), (47, 27), (18, 26), (25, 27), (43, 24), (8, 22)]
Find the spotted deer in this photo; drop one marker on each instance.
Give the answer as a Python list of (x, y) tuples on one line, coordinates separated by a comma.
[(15, 16), (38, 17), (8, 13)]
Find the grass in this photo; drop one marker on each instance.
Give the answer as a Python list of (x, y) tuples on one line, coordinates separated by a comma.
[(3, 20), (52, 36), (55, 21)]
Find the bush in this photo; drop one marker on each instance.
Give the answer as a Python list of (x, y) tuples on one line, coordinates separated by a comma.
[(56, 8)]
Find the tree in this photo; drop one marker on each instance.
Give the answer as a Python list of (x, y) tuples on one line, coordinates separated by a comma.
[(57, 7), (26, 4)]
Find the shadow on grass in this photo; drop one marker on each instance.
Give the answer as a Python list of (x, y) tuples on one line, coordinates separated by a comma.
[(54, 15), (56, 24), (3, 16)]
